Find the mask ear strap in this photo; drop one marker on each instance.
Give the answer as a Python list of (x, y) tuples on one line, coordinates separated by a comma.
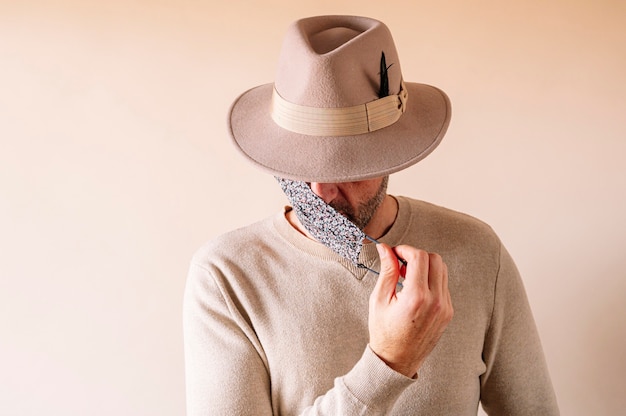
[(362, 266), (373, 240), (399, 285)]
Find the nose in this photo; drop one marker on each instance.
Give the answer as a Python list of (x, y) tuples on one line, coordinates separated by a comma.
[(326, 191)]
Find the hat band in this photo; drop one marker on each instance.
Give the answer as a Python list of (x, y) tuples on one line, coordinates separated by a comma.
[(341, 121)]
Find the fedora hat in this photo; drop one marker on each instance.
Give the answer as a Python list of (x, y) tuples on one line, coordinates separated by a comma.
[(338, 109)]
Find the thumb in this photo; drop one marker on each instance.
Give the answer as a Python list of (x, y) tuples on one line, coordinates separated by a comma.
[(389, 273)]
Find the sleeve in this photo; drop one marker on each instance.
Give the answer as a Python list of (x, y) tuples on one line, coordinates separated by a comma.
[(516, 381), (226, 373), (370, 388)]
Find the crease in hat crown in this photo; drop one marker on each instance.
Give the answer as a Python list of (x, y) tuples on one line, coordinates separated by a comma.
[(331, 62)]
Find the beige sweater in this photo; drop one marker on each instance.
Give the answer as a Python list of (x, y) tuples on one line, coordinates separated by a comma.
[(276, 324)]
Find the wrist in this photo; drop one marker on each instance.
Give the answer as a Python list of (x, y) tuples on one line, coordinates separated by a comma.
[(396, 365)]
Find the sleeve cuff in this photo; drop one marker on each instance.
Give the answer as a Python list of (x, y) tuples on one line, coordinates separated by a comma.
[(373, 383)]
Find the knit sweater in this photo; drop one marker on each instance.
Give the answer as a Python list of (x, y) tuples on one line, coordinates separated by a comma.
[(276, 324)]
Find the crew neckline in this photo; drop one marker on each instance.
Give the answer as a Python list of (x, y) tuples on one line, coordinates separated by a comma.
[(369, 254)]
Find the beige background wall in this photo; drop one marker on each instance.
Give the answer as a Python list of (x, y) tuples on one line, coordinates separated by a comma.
[(115, 165)]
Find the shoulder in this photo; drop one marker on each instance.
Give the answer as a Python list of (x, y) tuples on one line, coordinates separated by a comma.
[(447, 223), (234, 244)]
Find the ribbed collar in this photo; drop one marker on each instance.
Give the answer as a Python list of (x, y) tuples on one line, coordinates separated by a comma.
[(369, 255)]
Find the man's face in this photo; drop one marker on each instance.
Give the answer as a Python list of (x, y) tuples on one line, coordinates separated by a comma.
[(357, 201)]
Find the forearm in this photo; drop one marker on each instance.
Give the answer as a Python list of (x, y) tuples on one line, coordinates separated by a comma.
[(370, 388), (227, 370), (516, 381)]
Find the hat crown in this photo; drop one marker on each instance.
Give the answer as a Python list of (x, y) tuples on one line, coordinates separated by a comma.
[(334, 61)]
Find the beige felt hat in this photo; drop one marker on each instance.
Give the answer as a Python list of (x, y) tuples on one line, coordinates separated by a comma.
[(338, 110)]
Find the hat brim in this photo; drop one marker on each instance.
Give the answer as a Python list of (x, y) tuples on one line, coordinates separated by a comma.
[(339, 159)]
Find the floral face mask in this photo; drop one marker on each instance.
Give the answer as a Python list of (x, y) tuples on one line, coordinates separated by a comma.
[(323, 222), (327, 225)]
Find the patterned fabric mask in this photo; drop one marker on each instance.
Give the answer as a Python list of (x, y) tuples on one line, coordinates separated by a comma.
[(323, 222), (327, 225)]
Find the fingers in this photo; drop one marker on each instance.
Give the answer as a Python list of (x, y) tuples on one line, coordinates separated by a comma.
[(405, 327), (416, 269), (444, 280), (424, 271), (436, 271), (389, 273)]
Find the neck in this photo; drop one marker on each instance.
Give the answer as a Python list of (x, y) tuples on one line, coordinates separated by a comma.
[(383, 219), (381, 222)]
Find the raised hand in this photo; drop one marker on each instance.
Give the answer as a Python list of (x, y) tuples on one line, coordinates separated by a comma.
[(404, 327)]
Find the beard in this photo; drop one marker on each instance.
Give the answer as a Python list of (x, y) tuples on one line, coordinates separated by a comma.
[(363, 213)]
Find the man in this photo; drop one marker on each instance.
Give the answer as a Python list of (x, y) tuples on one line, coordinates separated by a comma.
[(343, 303)]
